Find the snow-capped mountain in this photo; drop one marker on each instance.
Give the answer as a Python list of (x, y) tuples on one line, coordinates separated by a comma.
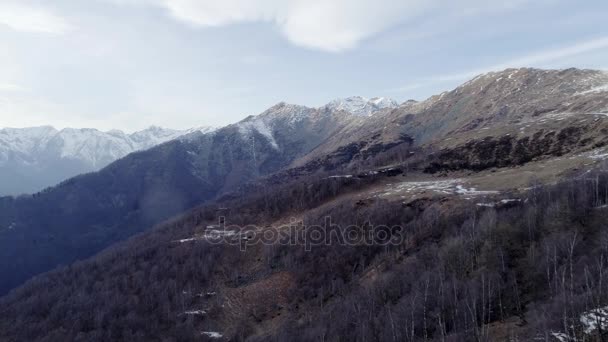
[(362, 106), (35, 157)]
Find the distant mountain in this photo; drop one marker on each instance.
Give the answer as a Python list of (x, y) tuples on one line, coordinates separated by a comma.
[(34, 158)]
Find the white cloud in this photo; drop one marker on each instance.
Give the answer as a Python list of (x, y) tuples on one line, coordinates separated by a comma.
[(329, 25), (11, 87), (25, 18)]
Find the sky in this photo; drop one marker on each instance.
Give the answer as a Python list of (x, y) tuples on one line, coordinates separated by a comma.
[(130, 64)]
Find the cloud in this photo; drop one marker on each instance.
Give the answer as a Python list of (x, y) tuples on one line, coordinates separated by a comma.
[(329, 25), (25, 18), (11, 87)]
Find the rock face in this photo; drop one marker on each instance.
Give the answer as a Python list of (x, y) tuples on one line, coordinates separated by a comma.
[(34, 158), (514, 101), (575, 135), (509, 96)]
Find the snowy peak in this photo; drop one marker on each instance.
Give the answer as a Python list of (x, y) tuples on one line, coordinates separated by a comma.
[(24, 140), (93, 147), (43, 156), (362, 106)]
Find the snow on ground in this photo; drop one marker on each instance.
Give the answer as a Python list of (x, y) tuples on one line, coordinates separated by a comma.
[(557, 117), (186, 240), (340, 176), (561, 337), (209, 234), (590, 322), (503, 201), (599, 89), (257, 124), (472, 191), (212, 334), (448, 187), (597, 154), (214, 234), (594, 319), (195, 313)]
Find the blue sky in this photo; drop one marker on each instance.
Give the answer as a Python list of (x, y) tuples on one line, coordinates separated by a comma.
[(129, 64)]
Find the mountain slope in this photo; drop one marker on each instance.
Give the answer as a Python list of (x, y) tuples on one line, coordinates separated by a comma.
[(490, 251), (462, 265), (82, 215), (515, 102), (34, 158), (461, 127)]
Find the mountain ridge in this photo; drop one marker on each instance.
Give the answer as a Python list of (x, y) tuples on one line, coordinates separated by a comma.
[(503, 212), (145, 188), (42, 156)]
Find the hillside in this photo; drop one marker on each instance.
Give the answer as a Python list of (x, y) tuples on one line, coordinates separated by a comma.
[(490, 201), (85, 214), (447, 260)]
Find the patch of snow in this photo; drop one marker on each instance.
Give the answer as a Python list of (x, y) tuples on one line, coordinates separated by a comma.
[(186, 240), (195, 313), (212, 334), (598, 89), (590, 321), (594, 319), (472, 191), (561, 337), (257, 124), (210, 234), (214, 234), (493, 204), (597, 154), (448, 187), (340, 176)]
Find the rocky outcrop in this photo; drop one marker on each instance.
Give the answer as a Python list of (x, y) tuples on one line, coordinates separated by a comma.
[(507, 150)]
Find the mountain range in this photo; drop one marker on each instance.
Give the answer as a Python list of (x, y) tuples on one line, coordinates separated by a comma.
[(82, 215), (37, 157), (499, 185), (34, 158)]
